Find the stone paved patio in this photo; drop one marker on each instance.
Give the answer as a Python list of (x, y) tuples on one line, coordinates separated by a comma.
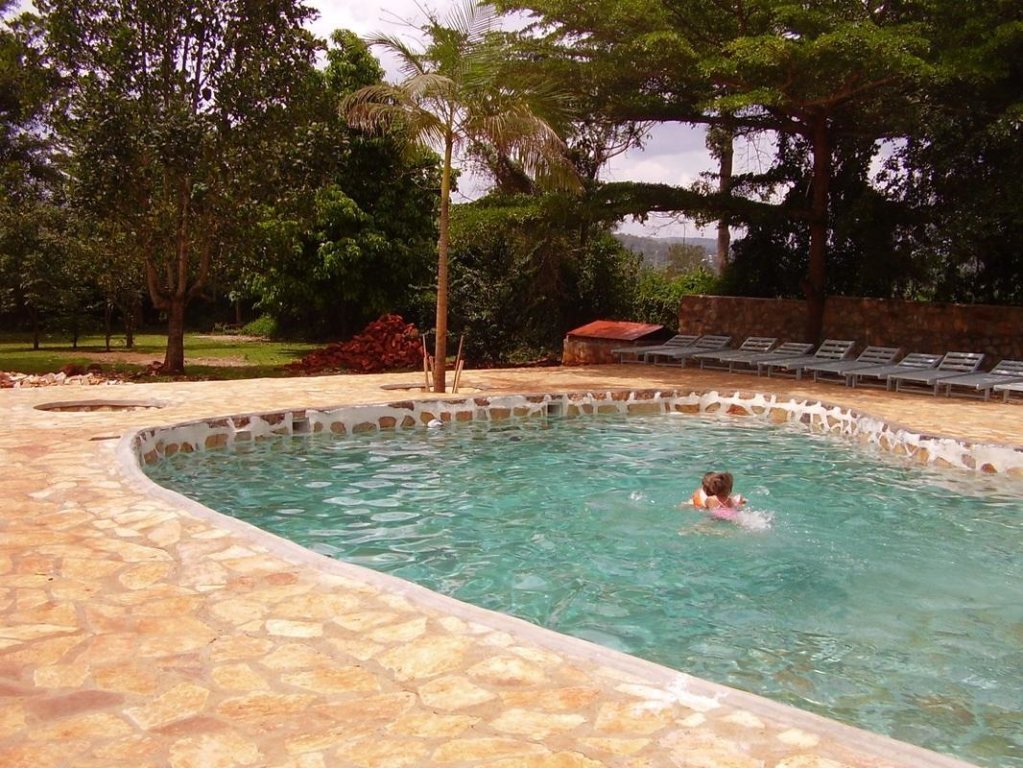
[(140, 630)]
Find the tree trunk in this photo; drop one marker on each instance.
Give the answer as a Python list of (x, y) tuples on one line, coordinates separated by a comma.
[(727, 153), (813, 286), (132, 311), (35, 328), (174, 361), (440, 350), (178, 293), (108, 322)]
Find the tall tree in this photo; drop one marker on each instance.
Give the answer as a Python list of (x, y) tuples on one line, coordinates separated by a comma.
[(176, 113), (960, 171), (31, 245), (370, 242), (813, 70), (454, 96)]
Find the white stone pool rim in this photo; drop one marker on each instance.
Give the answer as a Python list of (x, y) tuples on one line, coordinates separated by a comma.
[(151, 445)]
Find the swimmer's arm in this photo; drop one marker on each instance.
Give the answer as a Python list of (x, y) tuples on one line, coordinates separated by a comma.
[(694, 500)]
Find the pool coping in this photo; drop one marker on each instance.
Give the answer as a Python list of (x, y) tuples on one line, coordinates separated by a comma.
[(818, 416), (149, 444)]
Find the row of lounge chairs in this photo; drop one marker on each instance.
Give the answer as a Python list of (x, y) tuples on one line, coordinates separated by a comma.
[(833, 361)]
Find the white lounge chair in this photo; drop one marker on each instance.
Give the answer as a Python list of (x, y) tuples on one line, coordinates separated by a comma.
[(784, 351), (830, 349), (752, 346), (952, 364), (1005, 372), (635, 354), (868, 357), (1008, 389), (879, 373), (681, 354)]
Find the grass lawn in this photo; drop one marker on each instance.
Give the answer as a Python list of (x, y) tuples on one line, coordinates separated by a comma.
[(206, 356)]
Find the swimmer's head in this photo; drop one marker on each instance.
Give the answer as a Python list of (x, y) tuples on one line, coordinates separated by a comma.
[(717, 483)]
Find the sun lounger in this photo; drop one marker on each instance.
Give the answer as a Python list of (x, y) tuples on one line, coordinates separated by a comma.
[(952, 364), (879, 373), (1005, 372), (1008, 389), (782, 352), (681, 354), (830, 349), (868, 357), (635, 354), (752, 346)]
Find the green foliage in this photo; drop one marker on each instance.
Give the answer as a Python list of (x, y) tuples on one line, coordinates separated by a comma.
[(866, 256), (658, 295), (820, 72), (357, 261), (264, 326), (683, 258), (361, 243), (960, 174), (35, 254), (178, 116), (456, 93), (524, 272)]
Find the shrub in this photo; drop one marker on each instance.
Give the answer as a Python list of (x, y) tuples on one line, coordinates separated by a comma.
[(264, 326)]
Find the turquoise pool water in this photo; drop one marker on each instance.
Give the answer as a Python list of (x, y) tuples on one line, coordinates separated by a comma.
[(872, 592)]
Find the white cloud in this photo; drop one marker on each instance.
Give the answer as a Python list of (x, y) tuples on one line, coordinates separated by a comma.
[(361, 17)]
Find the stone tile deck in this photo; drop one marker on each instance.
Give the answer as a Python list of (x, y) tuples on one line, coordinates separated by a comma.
[(137, 630)]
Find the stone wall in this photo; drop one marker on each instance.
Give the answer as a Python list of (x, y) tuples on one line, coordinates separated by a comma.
[(914, 326)]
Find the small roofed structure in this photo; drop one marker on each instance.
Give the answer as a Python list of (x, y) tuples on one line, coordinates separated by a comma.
[(591, 344)]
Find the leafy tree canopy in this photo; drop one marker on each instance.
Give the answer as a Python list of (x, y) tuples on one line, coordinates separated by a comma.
[(366, 247), (819, 71), (176, 113)]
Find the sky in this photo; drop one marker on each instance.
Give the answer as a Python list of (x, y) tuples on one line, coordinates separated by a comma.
[(674, 154)]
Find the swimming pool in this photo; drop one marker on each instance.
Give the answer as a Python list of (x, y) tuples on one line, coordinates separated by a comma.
[(881, 595)]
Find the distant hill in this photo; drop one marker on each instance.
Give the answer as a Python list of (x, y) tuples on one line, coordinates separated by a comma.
[(655, 249)]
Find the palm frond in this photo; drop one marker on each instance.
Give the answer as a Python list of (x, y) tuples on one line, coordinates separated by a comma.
[(410, 62), (431, 86), (528, 141), (473, 19), (426, 128), (459, 88)]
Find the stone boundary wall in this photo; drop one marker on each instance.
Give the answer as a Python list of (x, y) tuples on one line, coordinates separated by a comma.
[(152, 445), (914, 326)]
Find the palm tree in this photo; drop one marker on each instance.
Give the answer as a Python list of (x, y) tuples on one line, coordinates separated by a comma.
[(456, 96)]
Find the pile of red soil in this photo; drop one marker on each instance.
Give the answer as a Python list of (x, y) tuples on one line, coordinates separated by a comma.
[(387, 344)]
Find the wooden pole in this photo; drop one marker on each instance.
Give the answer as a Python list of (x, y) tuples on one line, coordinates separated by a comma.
[(426, 363), (459, 364), (458, 375)]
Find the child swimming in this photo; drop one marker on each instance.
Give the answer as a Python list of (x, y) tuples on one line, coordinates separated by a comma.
[(715, 495)]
